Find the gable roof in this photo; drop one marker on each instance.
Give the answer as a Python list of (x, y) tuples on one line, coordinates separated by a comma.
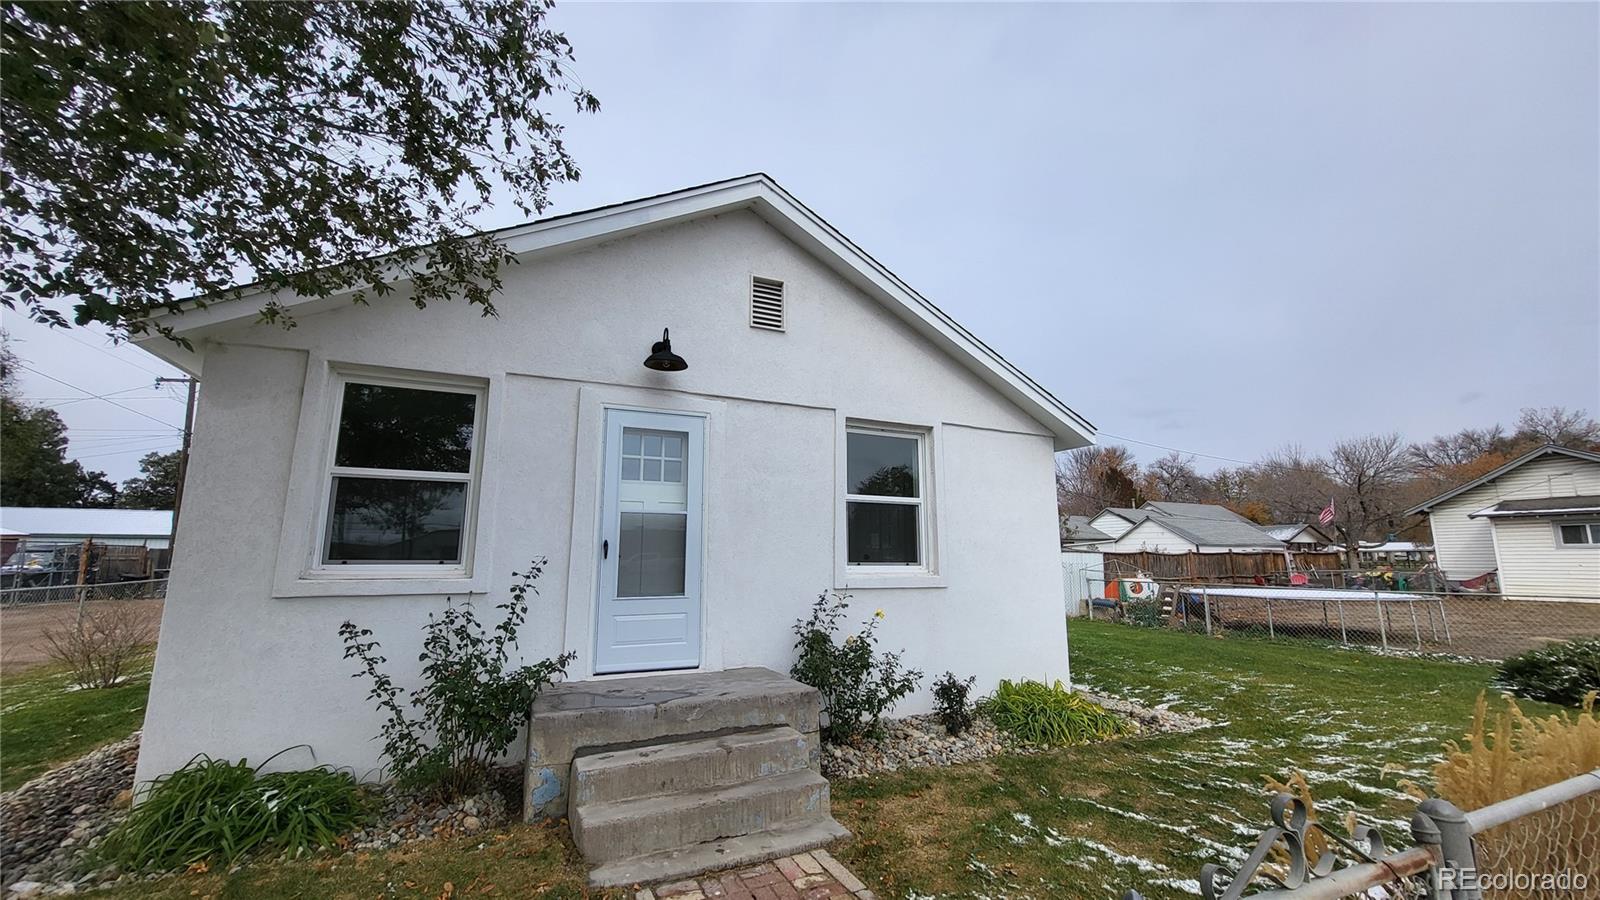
[(51, 521), (1542, 452), (1289, 532), (763, 196), (1077, 530), (1127, 514), (1199, 525), (1195, 510)]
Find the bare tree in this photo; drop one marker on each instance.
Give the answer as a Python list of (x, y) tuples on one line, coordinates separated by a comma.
[(1560, 426), (1444, 454), (1294, 485), (1173, 477), (1092, 478), (1368, 474)]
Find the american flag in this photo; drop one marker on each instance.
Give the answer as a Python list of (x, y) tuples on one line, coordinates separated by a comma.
[(1327, 514)]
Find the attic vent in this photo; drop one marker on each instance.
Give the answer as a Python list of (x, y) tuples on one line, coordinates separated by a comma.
[(766, 303)]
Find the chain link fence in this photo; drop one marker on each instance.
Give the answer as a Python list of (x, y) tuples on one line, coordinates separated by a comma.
[(1385, 613), (148, 589), (1540, 845)]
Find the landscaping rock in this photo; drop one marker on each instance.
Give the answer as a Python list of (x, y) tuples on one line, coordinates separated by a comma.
[(49, 826), (406, 818), (918, 741), (1149, 719), (913, 742)]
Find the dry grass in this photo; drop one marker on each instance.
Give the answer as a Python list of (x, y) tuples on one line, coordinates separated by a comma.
[(1511, 753), (1514, 753)]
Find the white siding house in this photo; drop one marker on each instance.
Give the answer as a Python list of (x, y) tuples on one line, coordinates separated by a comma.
[(1116, 522), (1479, 528), (1153, 537), (833, 430), (1169, 527)]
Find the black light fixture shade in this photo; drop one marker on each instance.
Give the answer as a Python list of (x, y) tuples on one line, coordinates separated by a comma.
[(661, 357)]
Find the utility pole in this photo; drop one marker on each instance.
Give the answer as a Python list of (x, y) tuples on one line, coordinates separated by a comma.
[(183, 460)]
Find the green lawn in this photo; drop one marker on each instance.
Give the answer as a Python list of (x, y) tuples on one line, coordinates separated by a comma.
[(1080, 822), (45, 721), (1146, 813)]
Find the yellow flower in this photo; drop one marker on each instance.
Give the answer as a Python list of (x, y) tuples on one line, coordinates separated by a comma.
[(878, 614)]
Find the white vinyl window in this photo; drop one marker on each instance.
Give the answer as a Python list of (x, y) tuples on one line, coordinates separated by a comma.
[(402, 475), (1578, 534), (885, 498)]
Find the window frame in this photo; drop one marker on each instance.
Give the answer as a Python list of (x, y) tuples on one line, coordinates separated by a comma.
[(1591, 529), (320, 566), (892, 574)]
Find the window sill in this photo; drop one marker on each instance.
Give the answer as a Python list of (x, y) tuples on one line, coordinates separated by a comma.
[(863, 581), (377, 584)]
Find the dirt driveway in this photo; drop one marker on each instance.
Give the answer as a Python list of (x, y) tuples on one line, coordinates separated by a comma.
[(22, 628)]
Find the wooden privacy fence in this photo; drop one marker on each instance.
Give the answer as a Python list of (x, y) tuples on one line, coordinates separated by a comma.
[(1192, 566)]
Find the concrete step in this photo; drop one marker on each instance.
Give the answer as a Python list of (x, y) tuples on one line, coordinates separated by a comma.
[(690, 765), (724, 853), (585, 718), (611, 831)]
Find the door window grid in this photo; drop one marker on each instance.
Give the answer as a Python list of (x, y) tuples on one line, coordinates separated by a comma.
[(652, 456)]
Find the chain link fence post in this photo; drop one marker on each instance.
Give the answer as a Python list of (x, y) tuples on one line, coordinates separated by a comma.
[(1452, 833)]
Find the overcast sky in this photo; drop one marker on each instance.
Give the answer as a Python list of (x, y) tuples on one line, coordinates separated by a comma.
[(1218, 228)]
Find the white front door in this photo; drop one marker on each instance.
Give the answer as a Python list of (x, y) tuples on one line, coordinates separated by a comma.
[(650, 537)]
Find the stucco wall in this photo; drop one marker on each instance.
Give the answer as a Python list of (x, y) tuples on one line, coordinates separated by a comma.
[(249, 661)]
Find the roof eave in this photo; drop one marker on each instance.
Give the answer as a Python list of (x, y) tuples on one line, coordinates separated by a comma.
[(778, 208), (1522, 460)]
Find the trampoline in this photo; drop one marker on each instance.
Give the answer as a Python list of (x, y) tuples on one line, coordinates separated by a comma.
[(1202, 596)]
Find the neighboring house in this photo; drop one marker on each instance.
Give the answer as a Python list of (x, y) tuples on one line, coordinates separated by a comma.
[(832, 430), (1167, 527), (1535, 520), (62, 525), (1078, 534), (1395, 552), (1300, 537)]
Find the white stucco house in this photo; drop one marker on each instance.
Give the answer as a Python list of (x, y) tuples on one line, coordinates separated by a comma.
[(1535, 521), (833, 429)]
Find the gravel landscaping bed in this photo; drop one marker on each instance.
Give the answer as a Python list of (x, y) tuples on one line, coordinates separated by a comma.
[(49, 825), (917, 741)]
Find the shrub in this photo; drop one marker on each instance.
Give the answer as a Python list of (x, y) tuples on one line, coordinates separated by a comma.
[(1512, 753), (471, 704), (950, 702), (100, 645), (1555, 673), (215, 809), (857, 685), (1144, 613), (1038, 713)]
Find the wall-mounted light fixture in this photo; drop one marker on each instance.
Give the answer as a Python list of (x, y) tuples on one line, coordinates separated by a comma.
[(661, 357)]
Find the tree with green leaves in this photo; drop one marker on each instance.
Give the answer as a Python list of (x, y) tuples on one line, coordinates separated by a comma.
[(34, 469), (156, 151), (156, 487)]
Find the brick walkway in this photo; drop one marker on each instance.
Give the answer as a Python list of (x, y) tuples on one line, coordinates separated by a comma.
[(811, 876)]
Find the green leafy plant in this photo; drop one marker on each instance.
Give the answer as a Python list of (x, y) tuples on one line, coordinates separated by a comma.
[(1555, 673), (1038, 713), (1144, 613), (857, 684), (472, 702), (215, 809), (950, 702)]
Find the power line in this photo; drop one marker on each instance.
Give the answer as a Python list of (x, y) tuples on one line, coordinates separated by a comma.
[(114, 356), (94, 396)]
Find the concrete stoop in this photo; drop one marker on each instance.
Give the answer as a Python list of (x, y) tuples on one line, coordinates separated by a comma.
[(667, 776)]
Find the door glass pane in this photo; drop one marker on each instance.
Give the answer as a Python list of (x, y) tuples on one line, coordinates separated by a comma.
[(883, 534), (650, 560), (386, 520), (384, 427), (882, 465)]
